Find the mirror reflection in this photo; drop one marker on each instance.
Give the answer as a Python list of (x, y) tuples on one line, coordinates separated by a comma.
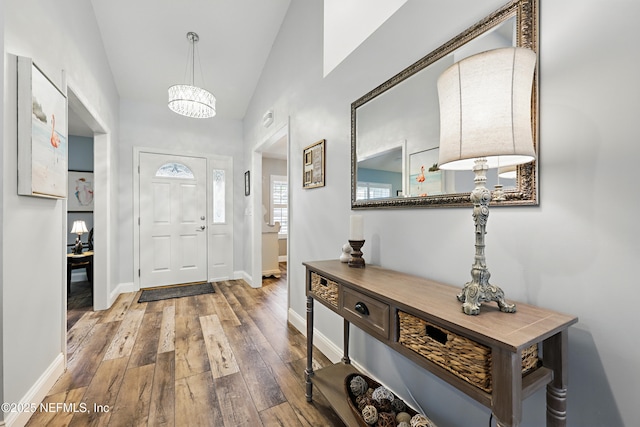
[(396, 132)]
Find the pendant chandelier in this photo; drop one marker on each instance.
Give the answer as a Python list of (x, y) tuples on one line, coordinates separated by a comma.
[(190, 100)]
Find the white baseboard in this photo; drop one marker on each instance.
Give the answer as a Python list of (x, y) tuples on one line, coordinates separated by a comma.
[(282, 258), (36, 393), (321, 342), (121, 289), (242, 275)]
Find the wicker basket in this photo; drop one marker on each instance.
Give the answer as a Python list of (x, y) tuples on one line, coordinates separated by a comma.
[(461, 356), (351, 399), (325, 289)]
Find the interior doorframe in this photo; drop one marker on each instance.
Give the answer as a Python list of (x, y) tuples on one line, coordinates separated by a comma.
[(102, 170), (256, 202), (102, 260), (136, 201)]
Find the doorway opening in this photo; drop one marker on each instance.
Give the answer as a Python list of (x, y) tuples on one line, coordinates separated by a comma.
[(270, 225), (88, 201)]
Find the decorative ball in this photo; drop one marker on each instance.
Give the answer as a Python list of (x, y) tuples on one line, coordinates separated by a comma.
[(383, 405), (386, 419), (360, 402), (370, 414), (420, 420), (358, 386), (363, 401), (383, 393), (404, 424), (370, 392), (403, 417), (398, 405)]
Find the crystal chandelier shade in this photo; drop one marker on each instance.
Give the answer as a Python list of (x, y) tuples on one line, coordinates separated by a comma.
[(190, 100)]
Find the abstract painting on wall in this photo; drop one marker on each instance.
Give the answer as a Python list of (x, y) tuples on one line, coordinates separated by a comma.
[(42, 134), (80, 192)]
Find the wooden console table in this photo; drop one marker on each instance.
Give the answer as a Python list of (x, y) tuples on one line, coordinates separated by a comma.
[(376, 299)]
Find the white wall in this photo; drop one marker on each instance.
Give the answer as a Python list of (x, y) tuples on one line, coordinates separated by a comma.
[(59, 36), (2, 183), (155, 126), (575, 252), (347, 24)]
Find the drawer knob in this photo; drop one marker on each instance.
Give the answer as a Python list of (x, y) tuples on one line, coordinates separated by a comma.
[(362, 308)]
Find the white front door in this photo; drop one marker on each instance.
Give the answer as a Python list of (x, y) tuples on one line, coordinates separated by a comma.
[(173, 209)]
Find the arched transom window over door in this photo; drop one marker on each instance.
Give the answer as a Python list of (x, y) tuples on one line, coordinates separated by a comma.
[(174, 170)]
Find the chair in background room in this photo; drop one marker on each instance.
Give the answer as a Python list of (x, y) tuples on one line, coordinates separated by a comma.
[(79, 261)]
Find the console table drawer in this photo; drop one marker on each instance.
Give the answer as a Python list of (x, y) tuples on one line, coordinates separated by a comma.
[(324, 289), (369, 314)]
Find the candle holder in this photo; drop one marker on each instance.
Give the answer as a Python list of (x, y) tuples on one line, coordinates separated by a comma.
[(356, 260)]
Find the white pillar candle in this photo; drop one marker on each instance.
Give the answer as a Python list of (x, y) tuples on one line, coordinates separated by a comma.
[(356, 229)]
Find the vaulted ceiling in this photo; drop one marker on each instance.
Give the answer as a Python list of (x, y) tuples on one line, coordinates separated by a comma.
[(147, 47)]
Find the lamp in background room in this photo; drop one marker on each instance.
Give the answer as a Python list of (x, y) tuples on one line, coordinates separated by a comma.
[(485, 122), (190, 100), (79, 227)]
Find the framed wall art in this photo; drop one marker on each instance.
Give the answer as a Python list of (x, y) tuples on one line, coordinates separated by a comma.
[(80, 192), (42, 134), (313, 165), (425, 178)]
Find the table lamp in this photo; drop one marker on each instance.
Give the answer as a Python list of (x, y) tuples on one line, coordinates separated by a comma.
[(78, 228), (485, 122)]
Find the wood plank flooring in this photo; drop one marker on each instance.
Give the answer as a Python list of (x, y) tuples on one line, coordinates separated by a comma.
[(224, 359)]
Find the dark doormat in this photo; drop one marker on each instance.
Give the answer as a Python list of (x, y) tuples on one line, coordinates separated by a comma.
[(179, 291)]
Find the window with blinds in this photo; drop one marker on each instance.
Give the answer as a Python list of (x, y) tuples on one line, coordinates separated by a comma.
[(280, 203), (372, 190)]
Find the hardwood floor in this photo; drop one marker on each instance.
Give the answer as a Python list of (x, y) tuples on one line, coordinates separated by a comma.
[(224, 359)]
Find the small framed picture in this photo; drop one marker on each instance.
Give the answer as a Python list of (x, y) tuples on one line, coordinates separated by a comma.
[(80, 191), (247, 183), (313, 167), (426, 179)]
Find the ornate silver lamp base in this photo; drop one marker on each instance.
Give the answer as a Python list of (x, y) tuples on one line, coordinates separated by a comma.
[(478, 290)]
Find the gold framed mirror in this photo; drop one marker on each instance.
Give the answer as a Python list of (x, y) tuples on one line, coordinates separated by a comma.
[(395, 127)]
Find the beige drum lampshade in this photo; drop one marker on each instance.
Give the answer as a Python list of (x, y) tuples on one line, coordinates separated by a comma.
[(485, 109)]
